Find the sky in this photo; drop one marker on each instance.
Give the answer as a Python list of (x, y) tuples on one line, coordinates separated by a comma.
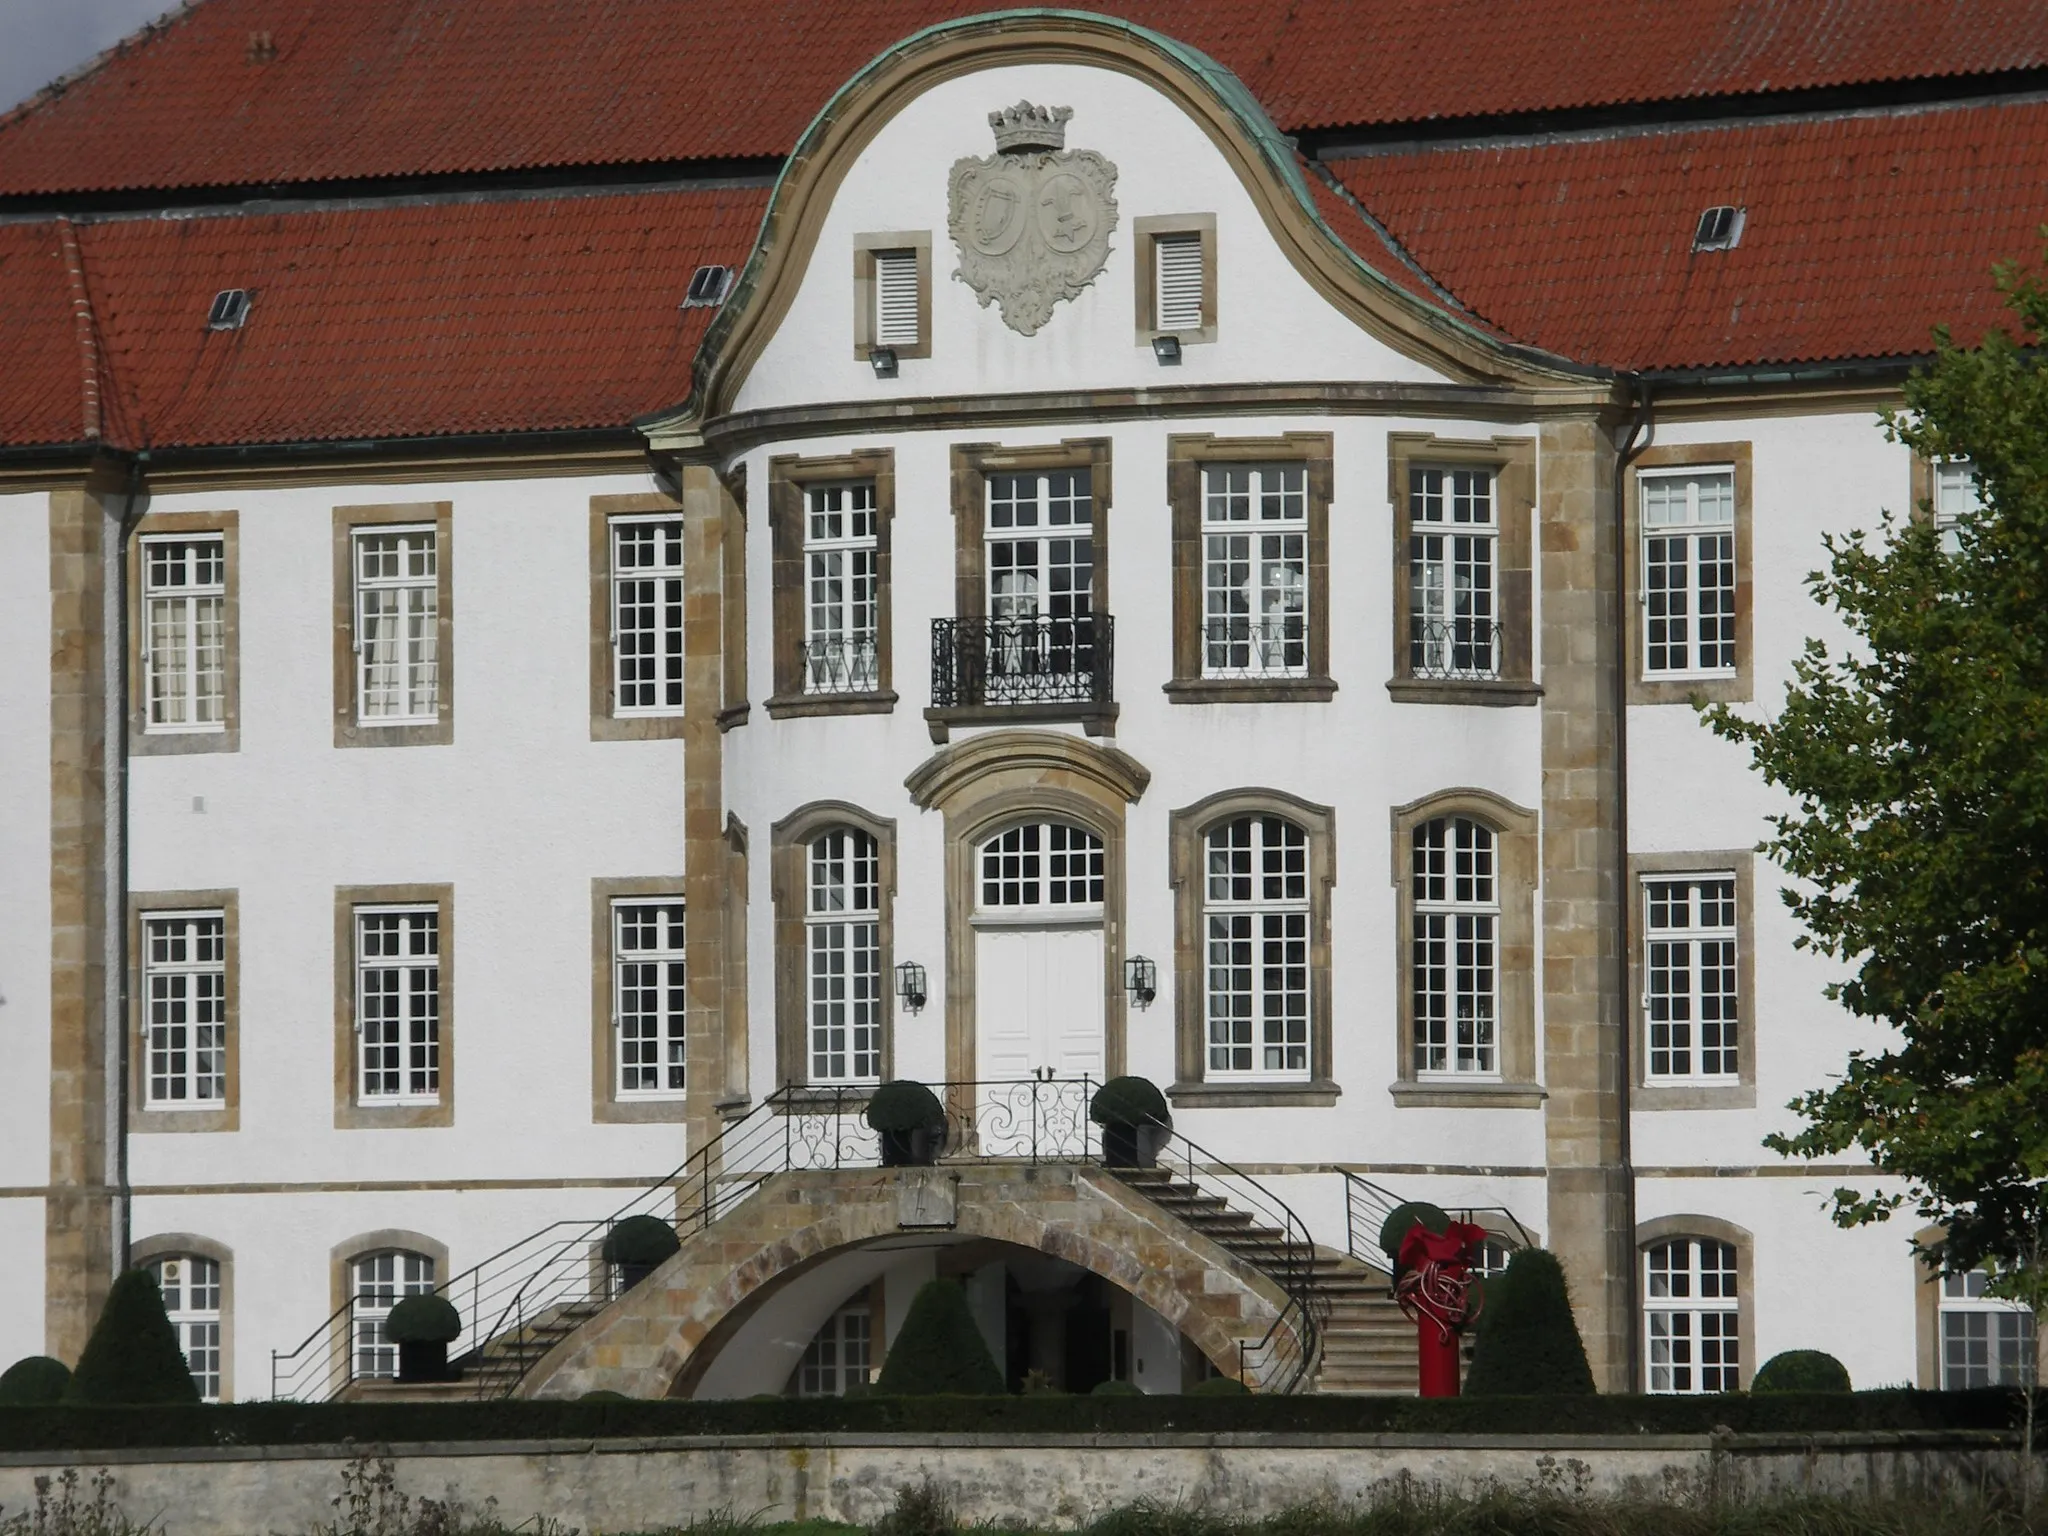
[(42, 39)]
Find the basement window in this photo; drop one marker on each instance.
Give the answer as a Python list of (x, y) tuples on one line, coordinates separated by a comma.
[(230, 309), (708, 287), (1720, 229)]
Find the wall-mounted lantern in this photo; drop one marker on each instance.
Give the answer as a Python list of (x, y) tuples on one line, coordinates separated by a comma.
[(1141, 980), (910, 985), (883, 361)]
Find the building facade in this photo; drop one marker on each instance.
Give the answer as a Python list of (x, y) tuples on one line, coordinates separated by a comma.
[(1044, 577)]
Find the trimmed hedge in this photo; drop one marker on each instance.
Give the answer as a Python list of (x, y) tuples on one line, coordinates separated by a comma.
[(1403, 1217), (1801, 1370), (427, 1319), (132, 1354), (939, 1349), (68, 1428), (903, 1105), (1129, 1101), (33, 1380), (1528, 1340), (640, 1240)]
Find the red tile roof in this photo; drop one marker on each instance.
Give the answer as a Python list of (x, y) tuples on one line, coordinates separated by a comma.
[(482, 317), (1862, 233), (402, 87)]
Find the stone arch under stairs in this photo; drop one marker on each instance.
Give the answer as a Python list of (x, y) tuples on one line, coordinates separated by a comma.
[(653, 1337)]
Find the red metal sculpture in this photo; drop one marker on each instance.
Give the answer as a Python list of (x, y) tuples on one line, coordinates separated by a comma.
[(1433, 1285)]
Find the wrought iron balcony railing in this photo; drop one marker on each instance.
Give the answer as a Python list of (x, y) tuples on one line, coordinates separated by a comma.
[(839, 664), (1023, 661), (1454, 647)]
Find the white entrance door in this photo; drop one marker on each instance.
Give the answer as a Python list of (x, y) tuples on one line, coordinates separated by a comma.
[(1038, 976)]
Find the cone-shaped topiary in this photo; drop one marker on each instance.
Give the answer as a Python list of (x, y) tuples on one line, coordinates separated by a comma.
[(1403, 1217), (1802, 1370), (34, 1382), (430, 1319), (1129, 1101), (1528, 1343), (132, 1355), (642, 1241), (939, 1349)]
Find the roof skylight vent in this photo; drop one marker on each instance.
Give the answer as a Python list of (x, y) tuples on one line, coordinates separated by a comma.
[(230, 309), (708, 287), (1720, 229)]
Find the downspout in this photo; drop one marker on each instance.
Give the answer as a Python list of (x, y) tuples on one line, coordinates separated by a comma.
[(117, 859), (1640, 432)]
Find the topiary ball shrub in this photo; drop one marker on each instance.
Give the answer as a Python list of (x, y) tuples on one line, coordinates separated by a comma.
[(1134, 1119), (1117, 1389), (1219, 1386), (911, 1122), (606, 1395), (939, 1349), (639, 1245), (423, 1327), (1801, 1370), (34, 1382), (1397, 1225), (1528, 1342), (132, 1355)]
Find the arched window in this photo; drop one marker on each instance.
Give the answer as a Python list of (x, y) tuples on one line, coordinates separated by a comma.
[(1985, 1340), (1455, 964), (1255, 908), (1692, 1316), (192, 1300), (377, 1283), (844, 958), (1041, 864)]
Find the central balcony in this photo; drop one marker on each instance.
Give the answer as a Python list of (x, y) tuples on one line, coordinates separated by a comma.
[(989, 671)]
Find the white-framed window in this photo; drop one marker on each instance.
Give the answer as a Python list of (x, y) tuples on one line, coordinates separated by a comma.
[(896, 299), (1692, 1316), (1454, 955), (184, 633), (838, 1358), (1039, 864), (1256, 914), (1985, 1341), (1688, 573), (185, 1009), (398, 641), (1177, 281), (1041, 545), (842, 588), (1453, 573), (1690, 999), (647, 615), (1956, 496), (377, 1283), (398, 1004), (1255, 570), (191, 1292), (649, 997), (843, 945)]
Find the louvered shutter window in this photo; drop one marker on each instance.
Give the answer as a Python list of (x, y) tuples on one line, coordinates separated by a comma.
[(896, 298), (1179, 281)]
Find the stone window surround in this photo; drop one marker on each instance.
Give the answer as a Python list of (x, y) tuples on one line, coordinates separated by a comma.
[(178, 1245), (1927, 1320), (604, 724), (788, 476), (972, 464), (142, 1120), (439, 732), (1513, 461), (733, 708), (349, 1113), (1719, 690), (997, 778), (1515, 871), (1662, 1229), (142, 742), (918, 241), (1145, 231), (1644, 1093), (339, 1288), (1186, 829), (1186, 460), (606, 1106), (789, 842)]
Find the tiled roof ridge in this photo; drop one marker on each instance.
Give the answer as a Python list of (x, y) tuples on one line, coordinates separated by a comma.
[(1395, 248), (84, 328), (57, 88)]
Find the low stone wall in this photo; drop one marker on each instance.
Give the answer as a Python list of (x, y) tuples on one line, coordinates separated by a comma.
[(1054, 1480)]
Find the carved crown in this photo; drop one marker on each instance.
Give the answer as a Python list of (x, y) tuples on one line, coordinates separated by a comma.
[(1027, 127)]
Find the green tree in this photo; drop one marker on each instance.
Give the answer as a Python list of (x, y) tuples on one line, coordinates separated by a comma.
[(1917, 762), (132, 1355)]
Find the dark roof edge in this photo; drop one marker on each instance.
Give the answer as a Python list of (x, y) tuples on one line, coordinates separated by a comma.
[(338, 450)]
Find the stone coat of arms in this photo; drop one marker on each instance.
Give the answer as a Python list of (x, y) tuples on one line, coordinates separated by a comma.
[(1033, 220)]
